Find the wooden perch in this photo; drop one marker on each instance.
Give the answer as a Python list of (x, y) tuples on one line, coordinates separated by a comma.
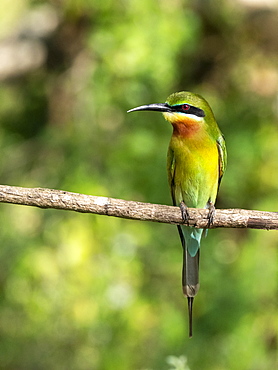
[(58, 199)]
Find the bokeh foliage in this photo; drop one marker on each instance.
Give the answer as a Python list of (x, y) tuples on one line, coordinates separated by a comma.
[(92, 292)]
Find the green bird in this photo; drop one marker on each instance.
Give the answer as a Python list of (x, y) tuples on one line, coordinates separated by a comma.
[(196, 162)]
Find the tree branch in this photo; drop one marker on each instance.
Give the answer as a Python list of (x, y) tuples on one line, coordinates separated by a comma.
[(49, 198)]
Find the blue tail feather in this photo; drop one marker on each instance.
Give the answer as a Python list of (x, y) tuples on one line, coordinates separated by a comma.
[(193, 239)]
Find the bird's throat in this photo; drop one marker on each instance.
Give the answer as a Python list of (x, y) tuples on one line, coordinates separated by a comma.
[(184, 125), (186, 129)]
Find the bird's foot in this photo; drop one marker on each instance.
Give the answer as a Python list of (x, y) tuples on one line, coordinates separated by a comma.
[(184, 212), (211, 213)]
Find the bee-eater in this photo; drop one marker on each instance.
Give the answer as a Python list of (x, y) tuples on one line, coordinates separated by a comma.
[(196, 162)]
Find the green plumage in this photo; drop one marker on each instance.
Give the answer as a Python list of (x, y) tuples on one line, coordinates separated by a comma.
[(196, 163), (196, 160)]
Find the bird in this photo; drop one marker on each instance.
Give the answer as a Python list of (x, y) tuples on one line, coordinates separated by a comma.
[(196, 162)]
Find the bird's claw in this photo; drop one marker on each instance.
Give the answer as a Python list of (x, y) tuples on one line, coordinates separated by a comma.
[(184, 212), (211, 213)]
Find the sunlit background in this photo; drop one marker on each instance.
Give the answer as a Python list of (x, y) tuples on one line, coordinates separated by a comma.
[(92, 292)]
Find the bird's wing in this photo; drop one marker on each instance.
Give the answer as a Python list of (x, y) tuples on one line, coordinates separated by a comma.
[(222, 156), (171, 173)]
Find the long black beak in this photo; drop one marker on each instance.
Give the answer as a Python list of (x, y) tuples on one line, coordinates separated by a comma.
[(159, 107)]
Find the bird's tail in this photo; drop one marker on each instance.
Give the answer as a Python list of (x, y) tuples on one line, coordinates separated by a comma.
[(190, 281), (190, 275)]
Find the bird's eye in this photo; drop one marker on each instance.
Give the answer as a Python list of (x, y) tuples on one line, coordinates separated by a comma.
[(185, 107)]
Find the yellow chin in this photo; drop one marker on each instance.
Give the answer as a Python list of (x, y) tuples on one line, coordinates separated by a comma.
[(181, 117)]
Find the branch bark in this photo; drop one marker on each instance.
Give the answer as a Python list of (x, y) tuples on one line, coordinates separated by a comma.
[(58, 199)]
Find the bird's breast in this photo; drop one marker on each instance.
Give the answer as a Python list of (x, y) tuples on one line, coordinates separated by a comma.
[(196, 169)]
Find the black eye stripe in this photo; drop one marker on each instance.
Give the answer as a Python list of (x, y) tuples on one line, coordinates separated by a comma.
[(192, 110)]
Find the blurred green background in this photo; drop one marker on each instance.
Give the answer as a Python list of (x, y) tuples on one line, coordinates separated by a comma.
[(92, 292)]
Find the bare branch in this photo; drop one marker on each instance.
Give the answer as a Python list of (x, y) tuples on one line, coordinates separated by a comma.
[(49, 198)]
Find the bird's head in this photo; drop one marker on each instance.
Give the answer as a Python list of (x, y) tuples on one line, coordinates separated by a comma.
[(182, 107)]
